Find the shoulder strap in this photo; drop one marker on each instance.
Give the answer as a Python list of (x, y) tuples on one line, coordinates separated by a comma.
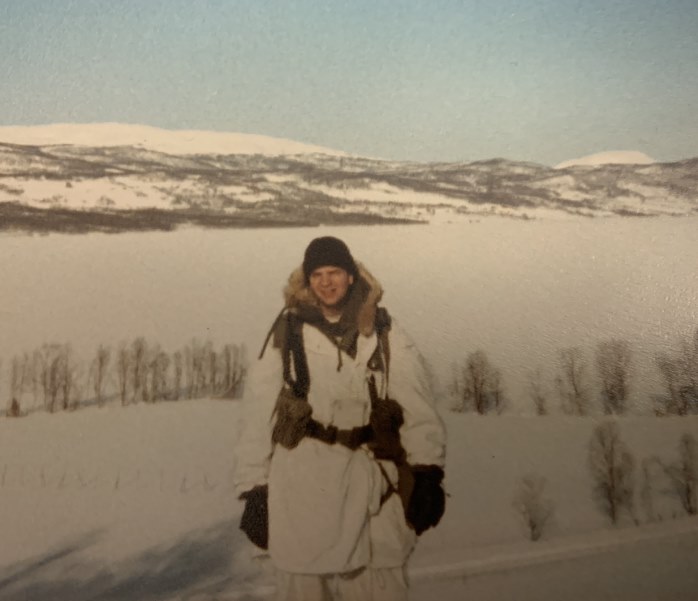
[(293, 349), (272, 332), (287, 331), (383, 325)]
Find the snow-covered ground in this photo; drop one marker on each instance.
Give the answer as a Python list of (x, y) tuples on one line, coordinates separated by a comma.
[(657, 564), (137, 504)]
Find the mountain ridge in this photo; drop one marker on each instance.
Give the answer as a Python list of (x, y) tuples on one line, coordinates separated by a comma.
[(312, 188)]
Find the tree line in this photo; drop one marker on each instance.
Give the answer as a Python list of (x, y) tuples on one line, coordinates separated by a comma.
[(53, 378), (613, 470), (477, 384)]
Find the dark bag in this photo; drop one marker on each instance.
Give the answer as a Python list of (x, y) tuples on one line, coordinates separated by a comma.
[(385, 420), (293, 415), (255, 517)]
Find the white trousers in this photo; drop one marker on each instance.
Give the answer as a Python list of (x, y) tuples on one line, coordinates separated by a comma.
[(367, 584)]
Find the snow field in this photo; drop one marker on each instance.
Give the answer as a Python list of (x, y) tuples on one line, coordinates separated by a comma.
[(136, 503), (104, 491)]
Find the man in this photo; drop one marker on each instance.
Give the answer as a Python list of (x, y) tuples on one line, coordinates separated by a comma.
[(341, 454)]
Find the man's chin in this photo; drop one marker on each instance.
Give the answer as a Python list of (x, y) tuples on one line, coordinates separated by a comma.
[(333, 305)]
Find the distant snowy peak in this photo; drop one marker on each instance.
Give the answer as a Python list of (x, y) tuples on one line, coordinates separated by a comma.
[(613, 157), (177, 142)]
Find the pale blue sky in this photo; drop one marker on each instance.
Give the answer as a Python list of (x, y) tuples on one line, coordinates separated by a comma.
[(542, 80)]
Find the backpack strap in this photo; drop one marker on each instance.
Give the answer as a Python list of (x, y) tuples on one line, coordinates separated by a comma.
[(287, 331), (271, 332), (380, 361), (293, 349)]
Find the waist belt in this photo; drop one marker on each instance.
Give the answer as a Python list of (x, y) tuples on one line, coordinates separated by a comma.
[(351, 439)]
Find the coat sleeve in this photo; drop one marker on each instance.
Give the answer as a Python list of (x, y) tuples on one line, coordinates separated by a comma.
[(254, 447), (422, 434)]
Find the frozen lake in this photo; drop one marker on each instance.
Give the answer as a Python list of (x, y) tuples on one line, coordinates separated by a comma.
[(520, 290)]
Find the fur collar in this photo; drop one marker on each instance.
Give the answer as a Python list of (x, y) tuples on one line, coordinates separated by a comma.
[(297, 293)]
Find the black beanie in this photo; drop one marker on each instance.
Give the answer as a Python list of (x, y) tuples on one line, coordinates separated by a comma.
[(328, 251)]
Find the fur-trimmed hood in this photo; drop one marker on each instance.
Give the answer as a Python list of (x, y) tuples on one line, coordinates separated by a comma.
[(297, 293)]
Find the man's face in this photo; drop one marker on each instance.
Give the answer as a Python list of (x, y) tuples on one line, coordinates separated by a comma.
[(330, 285)]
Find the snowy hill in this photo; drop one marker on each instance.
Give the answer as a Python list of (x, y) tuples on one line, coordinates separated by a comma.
[(137, 503), (177, 142), (115, 178), (613, 157)]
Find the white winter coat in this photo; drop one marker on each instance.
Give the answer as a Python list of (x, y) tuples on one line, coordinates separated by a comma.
[(325, 514)]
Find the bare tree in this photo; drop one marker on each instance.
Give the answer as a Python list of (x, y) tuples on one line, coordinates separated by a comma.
[(189, 368), (35, 364), (234, 370), (43, 358), (57, 371), (534, 510), (14, 410), (684, 474), (124, 362), (69, 378), (670, 404), (178, 371), (211, 368), (99, 371), (17, 383), (18, 377), (200, 372), (195, 369), (646, 489), (680, 373), (159, 364), (475, 373), (199, 369), (496, 391), (139, 358), (612, 471), (51, 371), (613, 360), (479, 386), (572, 381), (537, 392)]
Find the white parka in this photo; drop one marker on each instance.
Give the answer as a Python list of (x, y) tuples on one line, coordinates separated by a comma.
[(325, 512)]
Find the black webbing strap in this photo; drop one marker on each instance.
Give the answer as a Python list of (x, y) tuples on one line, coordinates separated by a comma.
[(352, 439), (293, 348), (271, 333), (390, 487)]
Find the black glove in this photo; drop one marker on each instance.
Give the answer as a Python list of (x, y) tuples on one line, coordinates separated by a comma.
[(255, 518), (428, 500)]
